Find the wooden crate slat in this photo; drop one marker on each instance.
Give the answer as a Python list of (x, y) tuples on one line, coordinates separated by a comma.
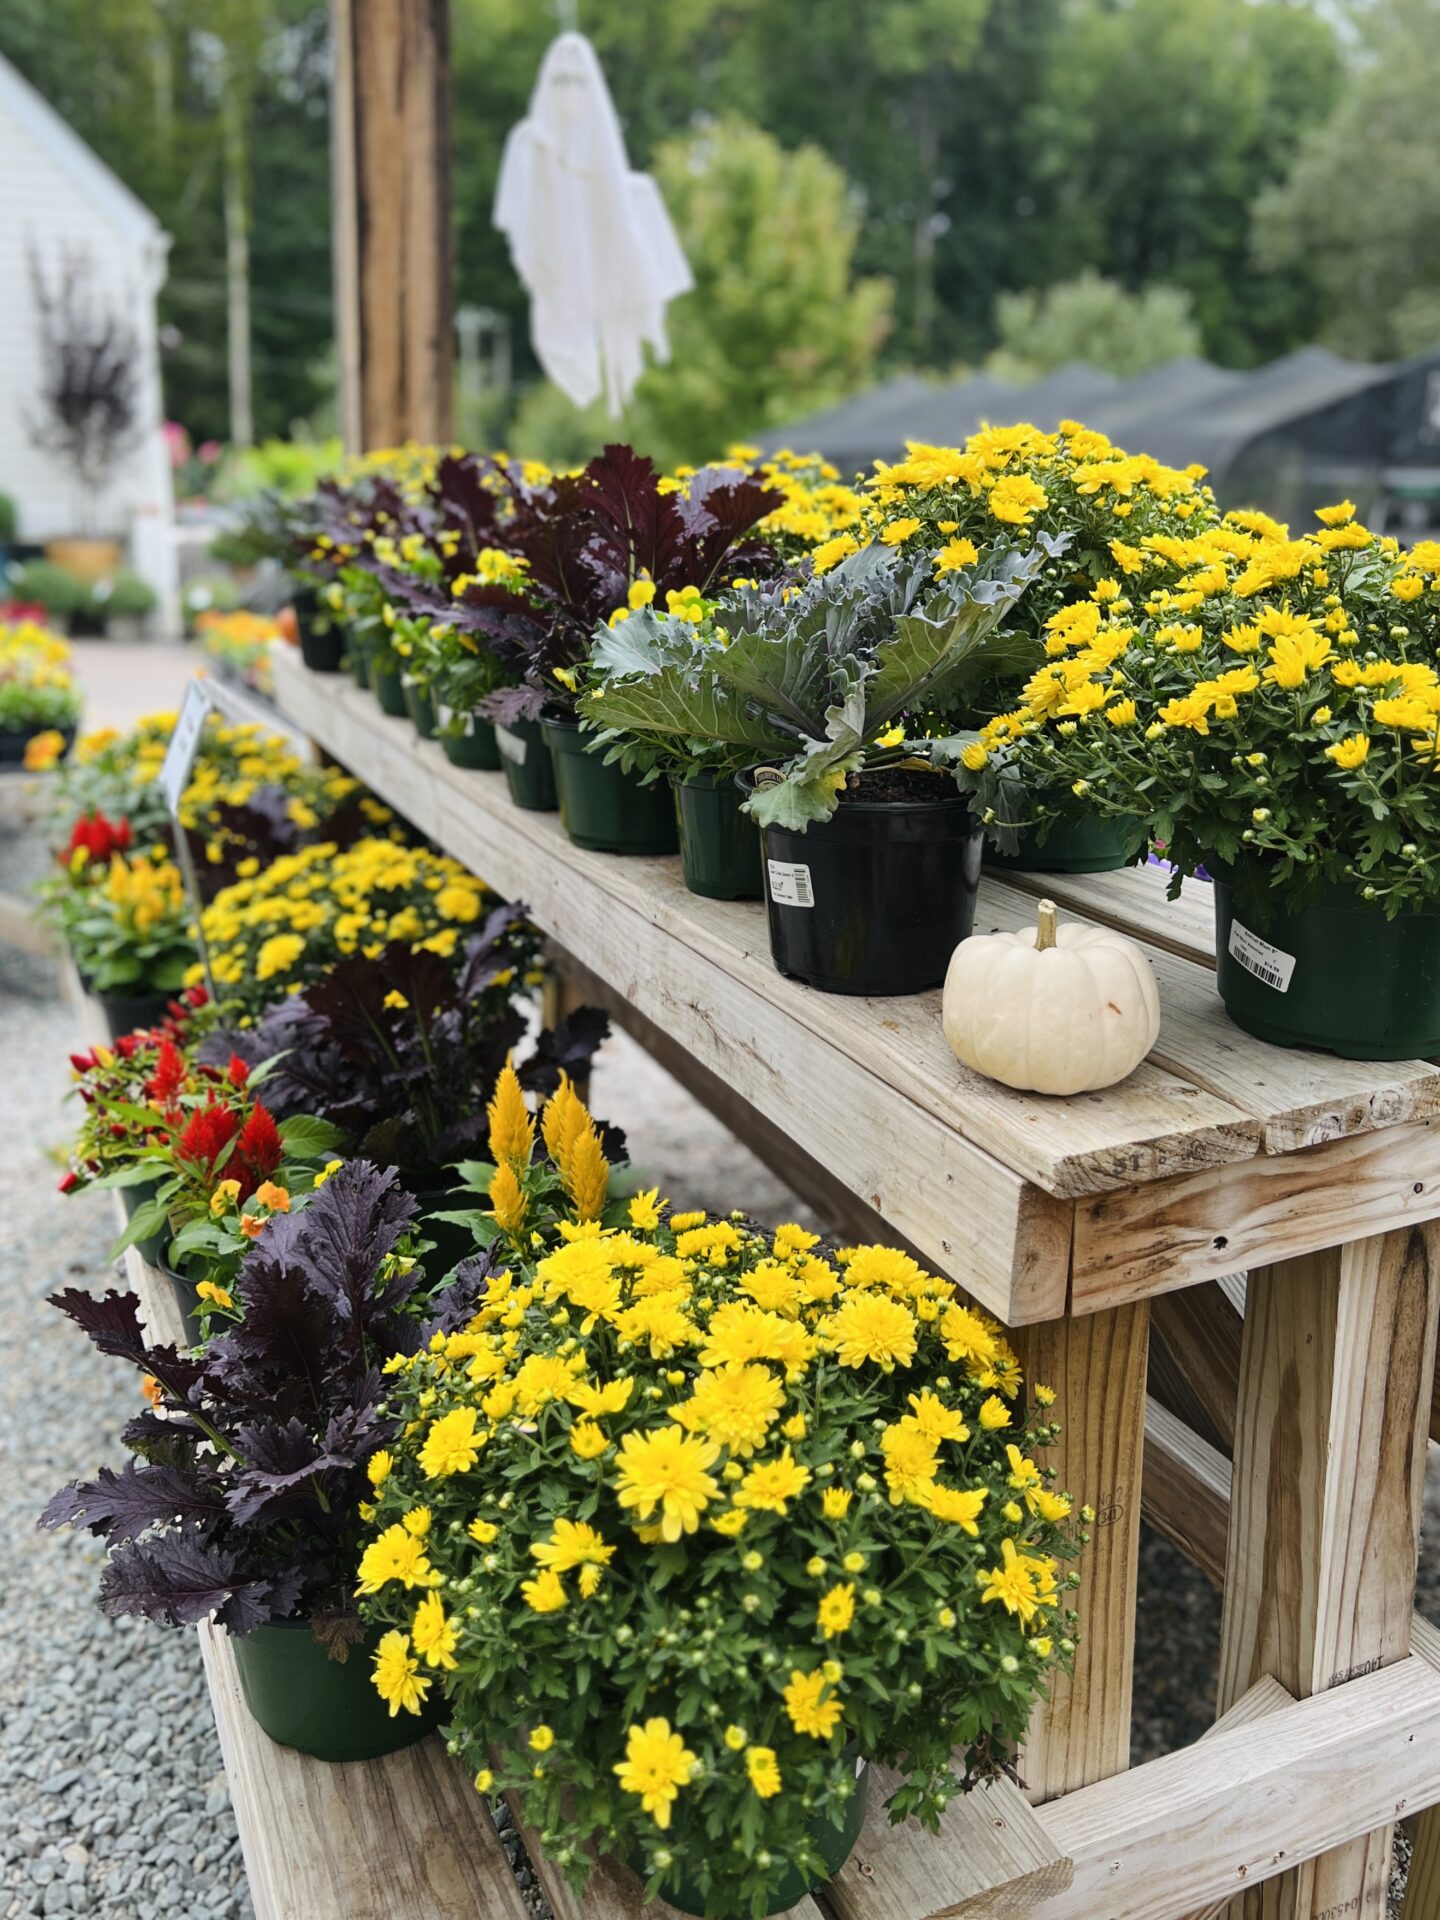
[(1148, 1240), (1133, 901), (1185, 1491), (992, 1860), (1201, 1825), (1195, 1358)]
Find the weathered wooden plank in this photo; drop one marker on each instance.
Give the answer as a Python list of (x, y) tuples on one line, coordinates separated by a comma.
[(1422, 1886), (1336, 1368), (1265, 1697), (1148, 1240), (1133, 901), (991, 1860), (1197, 1826), (1185, 1491), (1097, 1367), (1195, 1359)]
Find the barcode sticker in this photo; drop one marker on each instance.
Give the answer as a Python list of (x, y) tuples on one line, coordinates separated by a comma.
[(511, 745), (790, 884), (1257, 956)]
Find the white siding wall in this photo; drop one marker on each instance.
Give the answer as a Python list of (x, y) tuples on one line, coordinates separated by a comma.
[(47, 204)]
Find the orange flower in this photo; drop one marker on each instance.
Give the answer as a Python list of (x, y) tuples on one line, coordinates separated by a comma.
[(273, 1197), (151, 1389), (251, 1227)]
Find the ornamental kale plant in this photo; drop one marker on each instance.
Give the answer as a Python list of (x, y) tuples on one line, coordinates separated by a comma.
[(401, 1052), (585, 541), (241, 1500), (817, 680)]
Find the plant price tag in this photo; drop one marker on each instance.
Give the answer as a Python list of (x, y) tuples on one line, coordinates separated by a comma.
[(184, 744), (1257, 956), (511, 745), (790, 884)]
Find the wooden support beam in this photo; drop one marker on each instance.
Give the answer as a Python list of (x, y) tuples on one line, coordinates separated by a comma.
[(1097, 1367), (394, 298), (991, 1860), (1195, 1359), (1231, 1812), (1336, 1369)]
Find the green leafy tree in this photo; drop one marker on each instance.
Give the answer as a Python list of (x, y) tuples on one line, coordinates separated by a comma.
[(778, 323), (1093, 320), (1357, 211), (1154, 126)]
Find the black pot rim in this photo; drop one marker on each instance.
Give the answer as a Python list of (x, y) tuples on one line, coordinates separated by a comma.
[(954, 799)]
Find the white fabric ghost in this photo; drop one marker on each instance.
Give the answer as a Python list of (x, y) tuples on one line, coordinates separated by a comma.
[(590, 239)]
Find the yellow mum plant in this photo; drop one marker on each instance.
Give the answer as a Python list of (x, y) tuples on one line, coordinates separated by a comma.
[(276, 930), (692, 1520)]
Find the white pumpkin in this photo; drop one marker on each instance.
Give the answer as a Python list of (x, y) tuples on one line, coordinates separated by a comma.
[(1060, 1010)]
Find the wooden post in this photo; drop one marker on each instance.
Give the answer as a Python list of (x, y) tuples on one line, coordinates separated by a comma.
[(391, 199), (1096, 1365), (1335, 1377)]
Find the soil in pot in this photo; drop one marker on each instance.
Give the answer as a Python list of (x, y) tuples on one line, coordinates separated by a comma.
[(132, 1012), (719, 845), (324, 1707), (876, 898), (526, 762), (388, 688), (833, 1844), (1085, 843), (420, 707), (475, 747), (603, 808), (1335, 975)]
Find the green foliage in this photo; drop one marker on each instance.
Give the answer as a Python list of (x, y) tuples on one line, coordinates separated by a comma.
[(288, 468), (1356, 212), (1093, 320), (45, 583), (9, 521), (128, 596)]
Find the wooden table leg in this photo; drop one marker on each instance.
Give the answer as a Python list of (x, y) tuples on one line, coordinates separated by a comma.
[(1335, 1376), (1096, 1365)]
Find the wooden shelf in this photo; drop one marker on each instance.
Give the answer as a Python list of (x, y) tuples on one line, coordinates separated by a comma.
[(1215, 1144)]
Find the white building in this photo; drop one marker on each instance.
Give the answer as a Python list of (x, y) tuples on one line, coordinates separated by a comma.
[(57, 200)]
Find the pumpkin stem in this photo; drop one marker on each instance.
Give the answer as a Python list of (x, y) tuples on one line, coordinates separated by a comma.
[(1044, 925)]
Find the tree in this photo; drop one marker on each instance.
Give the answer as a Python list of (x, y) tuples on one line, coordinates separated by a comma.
[(1357, 211), (1154, 125), (778, 324), (1093, 320)]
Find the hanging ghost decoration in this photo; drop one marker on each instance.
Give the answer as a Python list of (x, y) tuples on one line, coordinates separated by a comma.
[(591, 240)]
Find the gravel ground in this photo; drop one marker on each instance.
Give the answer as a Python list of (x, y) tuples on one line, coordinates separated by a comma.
[(112, 1796)]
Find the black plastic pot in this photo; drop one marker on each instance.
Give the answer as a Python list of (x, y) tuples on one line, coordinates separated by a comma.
[(357, 663), (1337, 975), (833, 1844), (420, 707), (603, 808), (132, 1199), (719, 845), (133, 1012), (328, 1708), (14, 741), (1085, 843), (527, 766), (475, 748), (322, 645), (183, 1289), (388, 688), (876, 898)]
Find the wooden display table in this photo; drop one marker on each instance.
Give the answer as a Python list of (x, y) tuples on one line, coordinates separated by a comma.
[(1067, 1219)]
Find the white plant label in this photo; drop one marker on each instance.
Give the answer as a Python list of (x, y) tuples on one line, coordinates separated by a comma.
[(511, 745), (184, 743), (790, 884), (1257, 956)]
